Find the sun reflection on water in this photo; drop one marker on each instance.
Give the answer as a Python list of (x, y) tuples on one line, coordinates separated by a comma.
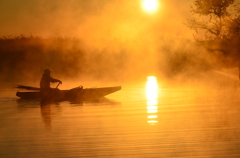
[(152, 99)]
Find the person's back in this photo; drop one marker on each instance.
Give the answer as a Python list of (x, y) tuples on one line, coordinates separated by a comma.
[(45, 81)]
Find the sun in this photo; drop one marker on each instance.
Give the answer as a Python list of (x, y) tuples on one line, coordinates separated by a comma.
[(150, 5)]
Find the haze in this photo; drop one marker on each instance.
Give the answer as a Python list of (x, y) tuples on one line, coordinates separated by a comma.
[(93, 20), (110, 27)]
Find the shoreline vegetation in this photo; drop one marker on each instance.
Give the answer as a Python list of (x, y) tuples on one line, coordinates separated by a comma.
[(24, 57)]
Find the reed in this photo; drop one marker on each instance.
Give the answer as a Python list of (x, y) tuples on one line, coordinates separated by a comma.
[(24, 57)]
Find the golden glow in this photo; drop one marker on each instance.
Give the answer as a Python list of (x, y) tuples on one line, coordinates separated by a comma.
[(152, 111), (150, 5), (152, 116), (152, 122), (152, 107), (152, 99), (152, 102), (152, 90)]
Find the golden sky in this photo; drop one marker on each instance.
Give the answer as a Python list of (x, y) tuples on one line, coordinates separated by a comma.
[(78, 17), (99, 23), (111, 25)]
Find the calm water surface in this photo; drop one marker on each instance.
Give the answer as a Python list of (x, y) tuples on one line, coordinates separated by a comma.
[(178, 122)]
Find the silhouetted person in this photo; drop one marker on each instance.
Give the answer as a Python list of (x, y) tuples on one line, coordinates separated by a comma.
[(46, 90)]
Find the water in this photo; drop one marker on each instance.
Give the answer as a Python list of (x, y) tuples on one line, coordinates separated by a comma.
[(181, 122)]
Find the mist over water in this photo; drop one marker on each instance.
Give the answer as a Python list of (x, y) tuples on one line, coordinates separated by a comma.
[(176, 95), (97, 40), (23, 59), (181, 120)]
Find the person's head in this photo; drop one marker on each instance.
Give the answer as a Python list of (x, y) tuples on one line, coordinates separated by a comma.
[(47, 71)]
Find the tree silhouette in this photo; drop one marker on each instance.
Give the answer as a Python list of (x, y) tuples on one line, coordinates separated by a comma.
[(217, 26)]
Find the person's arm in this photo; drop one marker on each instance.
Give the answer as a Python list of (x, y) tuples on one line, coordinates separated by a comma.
[(55, 80)]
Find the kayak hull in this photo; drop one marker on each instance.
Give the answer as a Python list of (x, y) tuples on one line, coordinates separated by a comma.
[(75, 94)]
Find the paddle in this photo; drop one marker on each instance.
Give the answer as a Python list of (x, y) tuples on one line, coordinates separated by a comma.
[(27, 87), (31, 88), (58, 84)]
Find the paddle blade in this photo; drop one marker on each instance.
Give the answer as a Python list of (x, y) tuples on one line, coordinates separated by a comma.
[(27, 87)]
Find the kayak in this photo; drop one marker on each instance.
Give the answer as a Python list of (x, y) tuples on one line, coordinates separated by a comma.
[(75, 94)]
